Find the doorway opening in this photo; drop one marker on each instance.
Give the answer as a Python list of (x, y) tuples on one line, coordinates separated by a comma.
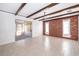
[(23, 30)]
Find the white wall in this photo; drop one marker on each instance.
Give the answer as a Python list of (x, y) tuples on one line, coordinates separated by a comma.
[(7, 28), (78, 28), (37, 28)]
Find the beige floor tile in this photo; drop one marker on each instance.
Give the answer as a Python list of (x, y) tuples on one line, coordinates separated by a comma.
[(41, 46)]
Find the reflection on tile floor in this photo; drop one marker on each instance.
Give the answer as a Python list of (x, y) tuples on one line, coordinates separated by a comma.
[(23, 36), (41, 46)]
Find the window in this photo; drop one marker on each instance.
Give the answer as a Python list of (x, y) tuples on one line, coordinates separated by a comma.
[(46, 27), (19, 29), (66, 28)]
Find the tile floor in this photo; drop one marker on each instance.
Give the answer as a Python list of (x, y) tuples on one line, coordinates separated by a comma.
[(41, 46)]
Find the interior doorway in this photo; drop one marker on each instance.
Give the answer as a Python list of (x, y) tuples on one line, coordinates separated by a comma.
[(23, 30)]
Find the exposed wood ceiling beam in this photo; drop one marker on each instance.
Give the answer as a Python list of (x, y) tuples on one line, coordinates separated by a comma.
[(60, 15), (58, 11), (19, 9), (50, 5)]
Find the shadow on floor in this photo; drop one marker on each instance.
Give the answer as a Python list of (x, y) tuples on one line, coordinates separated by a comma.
[(23, 36)]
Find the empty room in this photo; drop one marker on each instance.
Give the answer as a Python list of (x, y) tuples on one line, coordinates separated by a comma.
[(39, 29)]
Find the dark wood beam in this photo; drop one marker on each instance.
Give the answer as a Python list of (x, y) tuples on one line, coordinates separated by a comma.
[(19, 9), (59, 15), (57, 11), (50, 5)]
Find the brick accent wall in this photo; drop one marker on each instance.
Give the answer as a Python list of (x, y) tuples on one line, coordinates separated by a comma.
[(55, 27), (74, 27)]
